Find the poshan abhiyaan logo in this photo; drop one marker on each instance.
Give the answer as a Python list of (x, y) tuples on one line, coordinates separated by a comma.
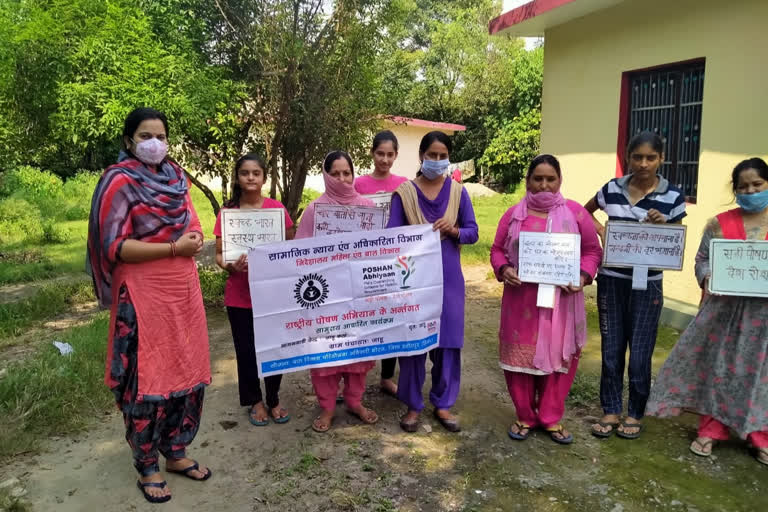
[(311, 291)]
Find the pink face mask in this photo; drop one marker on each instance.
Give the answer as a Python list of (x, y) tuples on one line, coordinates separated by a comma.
[(151, 151)]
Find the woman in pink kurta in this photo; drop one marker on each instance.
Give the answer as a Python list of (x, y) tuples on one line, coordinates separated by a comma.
[(539, 347), (339, 175)]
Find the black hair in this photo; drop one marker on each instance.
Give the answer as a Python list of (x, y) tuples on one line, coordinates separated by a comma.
[(385, 136), (757, 164), (136, 117), (544, 159), (431, 137), (237, 192), (335, 155), (652, 139)]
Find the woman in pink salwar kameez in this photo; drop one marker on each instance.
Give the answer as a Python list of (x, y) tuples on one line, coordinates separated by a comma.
[(539, 347)]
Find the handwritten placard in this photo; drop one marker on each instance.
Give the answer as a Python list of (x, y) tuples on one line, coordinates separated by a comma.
[(331, 219), (738, 267), (550, 258), (382, 200), (242, 230), (634, 244)]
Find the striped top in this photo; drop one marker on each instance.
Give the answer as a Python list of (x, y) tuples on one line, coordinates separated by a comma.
[(613, 199)]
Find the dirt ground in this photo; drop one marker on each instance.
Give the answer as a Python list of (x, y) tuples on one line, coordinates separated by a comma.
[(356, 467)]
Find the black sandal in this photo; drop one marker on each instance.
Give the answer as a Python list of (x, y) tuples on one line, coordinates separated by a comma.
[(153, 499), (185, 472), (624, 435), (448, 424), (604, 435)]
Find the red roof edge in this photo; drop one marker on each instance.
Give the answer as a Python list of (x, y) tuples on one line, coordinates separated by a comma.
[(524, 13), (409, 121)]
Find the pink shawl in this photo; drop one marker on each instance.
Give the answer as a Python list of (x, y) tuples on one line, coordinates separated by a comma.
[(336, 192), (562, 331)]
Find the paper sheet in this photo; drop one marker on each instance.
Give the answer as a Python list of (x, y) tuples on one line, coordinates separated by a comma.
[(640, 277), (546, 296)]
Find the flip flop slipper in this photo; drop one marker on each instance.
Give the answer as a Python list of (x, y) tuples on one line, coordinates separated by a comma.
[(517, 436), (410, 426), (366, 421), (279, 419), (702, 453), (152, 499), (599, 433), (449, 425), (317, 428), (622, 434), (559, 430), (185, 472), (258, 423), (761, 454)]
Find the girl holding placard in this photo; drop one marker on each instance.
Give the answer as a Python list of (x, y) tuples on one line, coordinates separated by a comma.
[(436, 199), (539, 347), (719, 367), (384, 152), (339, 176), (247, 180), (629, 318)]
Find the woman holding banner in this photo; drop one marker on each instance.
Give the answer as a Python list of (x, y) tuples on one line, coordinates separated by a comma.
[(434, 198), (719, 367), (539, 347), (143, 234), (629, 318), (339, 176), (384, 152)]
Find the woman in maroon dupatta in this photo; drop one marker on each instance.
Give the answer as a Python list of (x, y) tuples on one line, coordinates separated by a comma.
[(143, 234)]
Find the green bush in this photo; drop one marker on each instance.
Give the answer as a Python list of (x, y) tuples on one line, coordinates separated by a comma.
[(19, 221), (55, 233), (212, 283), (41, 188), (78, 192)]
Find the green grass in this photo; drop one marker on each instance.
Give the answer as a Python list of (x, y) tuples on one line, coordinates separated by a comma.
[(49, 301), (50, 394), (488, 211)]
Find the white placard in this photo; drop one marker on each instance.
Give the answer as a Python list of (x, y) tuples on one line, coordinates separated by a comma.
[(739, 267), (656, 246), (332, 219), (345, 298), (245, 229), (550, 258), (382, 200)]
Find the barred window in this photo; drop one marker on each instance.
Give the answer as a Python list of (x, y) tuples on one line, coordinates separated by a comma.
[(668, 101)]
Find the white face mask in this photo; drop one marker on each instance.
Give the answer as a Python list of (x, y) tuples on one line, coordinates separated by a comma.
[(151, 151), (433, 169)]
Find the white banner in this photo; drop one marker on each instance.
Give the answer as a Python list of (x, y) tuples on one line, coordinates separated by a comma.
[(345, 298), (635, 244), (245, 229), (739, 267), (550, 258), (332, 219)]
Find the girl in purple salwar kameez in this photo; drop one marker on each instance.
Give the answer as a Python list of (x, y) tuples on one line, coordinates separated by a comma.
[(434, 198)]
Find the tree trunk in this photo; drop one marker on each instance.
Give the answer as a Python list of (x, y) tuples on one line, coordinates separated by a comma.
[(207, 191)]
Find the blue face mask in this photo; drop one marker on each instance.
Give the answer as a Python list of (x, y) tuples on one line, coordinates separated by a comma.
[(433, 169), (753, 202)]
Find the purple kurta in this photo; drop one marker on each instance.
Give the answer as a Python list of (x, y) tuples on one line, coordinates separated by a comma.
[(452, 319)]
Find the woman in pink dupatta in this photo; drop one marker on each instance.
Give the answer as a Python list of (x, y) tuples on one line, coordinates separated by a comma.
[(539, 347), (339, 176)]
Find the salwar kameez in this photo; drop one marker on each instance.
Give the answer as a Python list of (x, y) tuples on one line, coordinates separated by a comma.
[(539, 386), (446, 370)]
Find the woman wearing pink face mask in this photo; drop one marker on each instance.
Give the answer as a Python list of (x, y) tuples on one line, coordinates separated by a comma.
[(539, 347), (143, 235), (339, 176)]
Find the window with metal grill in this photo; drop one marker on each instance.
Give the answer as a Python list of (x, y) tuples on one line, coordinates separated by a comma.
[(668, 101)]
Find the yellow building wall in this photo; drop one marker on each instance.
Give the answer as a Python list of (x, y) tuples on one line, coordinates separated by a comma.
[(583, 65)]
